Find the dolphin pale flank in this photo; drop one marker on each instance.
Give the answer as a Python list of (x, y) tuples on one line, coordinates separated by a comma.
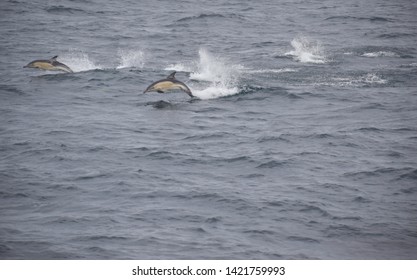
[(49, 64), (170, 83)]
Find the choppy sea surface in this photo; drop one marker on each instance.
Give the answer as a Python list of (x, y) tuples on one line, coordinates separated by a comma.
[(301, 143)]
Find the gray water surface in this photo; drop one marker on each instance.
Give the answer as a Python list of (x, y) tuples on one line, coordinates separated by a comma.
[(301, 143)]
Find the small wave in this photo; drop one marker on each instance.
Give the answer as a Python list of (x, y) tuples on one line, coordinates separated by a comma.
[(395, 35), (412, 174), (380, 54), (378, 172), (61, 10), (303, 239), (307, 51), (161, 104), (91, 175), (78, 61), (373, 78), (366, 80), (369, 129), (273, 164), (411, 65), (11, 89), (340, 230), (131, 58), (208, 16), (378, 51), (361, 199), (7, 195), (273, 139), (102, 237), (371, 19), (180, 67), (268, 71)]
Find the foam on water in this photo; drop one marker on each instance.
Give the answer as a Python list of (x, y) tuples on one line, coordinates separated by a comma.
[(268, 71), (307, 51), (131, 58), (221, 77), (372, 78), (368, 79), (78, 61), (380, 54), (180, 67)]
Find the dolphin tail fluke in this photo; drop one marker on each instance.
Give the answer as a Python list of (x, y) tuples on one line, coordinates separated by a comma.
[(188, 91), (147, 89)]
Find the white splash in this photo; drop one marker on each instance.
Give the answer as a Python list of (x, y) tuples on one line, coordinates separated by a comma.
[(214, 91), (221, 76), (78, 61), (131, 58), (307, 51)]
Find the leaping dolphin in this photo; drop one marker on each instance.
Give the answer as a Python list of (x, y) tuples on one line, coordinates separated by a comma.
[(169, 83), (49, 64)]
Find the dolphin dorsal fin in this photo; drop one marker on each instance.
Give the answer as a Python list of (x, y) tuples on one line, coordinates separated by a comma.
[(172, 75), (54, 58)]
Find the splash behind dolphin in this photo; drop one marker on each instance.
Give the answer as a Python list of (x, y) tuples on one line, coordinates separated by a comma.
[(169, 83), (49, 64)]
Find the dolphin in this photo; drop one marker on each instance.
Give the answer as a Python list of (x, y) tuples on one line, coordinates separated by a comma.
[(49, 64), (169, 83)]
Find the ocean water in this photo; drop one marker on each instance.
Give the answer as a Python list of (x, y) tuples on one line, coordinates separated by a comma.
[(301, 143)]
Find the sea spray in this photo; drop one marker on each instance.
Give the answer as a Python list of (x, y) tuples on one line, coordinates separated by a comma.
[(78, 61), (218, 77), (131, 59), (307, 51)]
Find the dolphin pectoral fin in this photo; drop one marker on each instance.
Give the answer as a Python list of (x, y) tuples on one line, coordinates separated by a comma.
[(54, 58), (160, 91)]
